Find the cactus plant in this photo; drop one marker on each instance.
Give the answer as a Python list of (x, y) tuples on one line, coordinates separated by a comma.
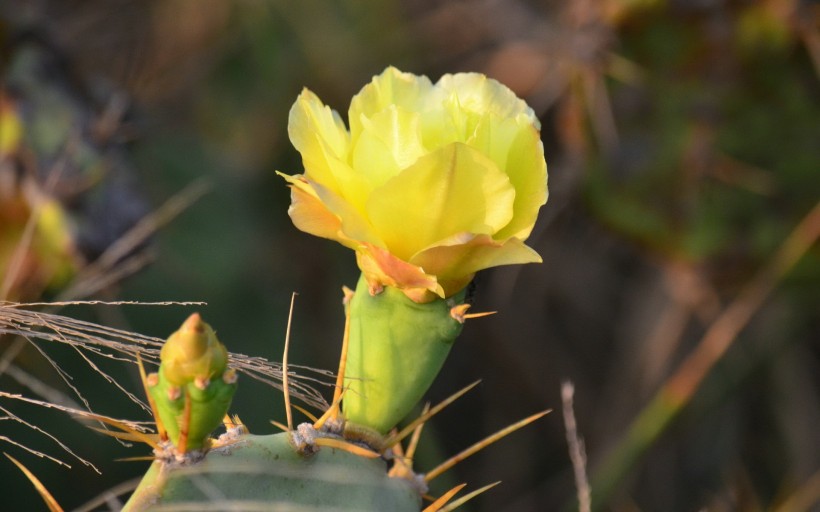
[(460, 181)]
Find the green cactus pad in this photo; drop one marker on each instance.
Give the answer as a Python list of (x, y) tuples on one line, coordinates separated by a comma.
[(266, 473)]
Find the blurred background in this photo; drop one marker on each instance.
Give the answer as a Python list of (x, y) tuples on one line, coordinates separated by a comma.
[(683, 147)]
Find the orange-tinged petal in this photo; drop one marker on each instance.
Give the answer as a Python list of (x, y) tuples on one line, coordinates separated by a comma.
[(381, 268), (311, 216), (351, 228), (452, 190)]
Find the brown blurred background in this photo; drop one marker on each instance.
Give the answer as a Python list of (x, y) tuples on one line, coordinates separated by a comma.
[(683, 147)]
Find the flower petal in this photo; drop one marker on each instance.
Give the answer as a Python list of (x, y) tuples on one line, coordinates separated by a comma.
[(319, 134), (318, 211), (452, 190), (391, 87), (381, 268), (311, 125), (390, 141), (493, 136), (311, 216), (480, 94), (527, 171), (455, 265)]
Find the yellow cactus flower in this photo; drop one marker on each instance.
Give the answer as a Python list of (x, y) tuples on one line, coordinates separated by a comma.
[(432, 182)]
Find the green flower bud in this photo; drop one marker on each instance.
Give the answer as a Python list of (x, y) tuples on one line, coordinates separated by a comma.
[(193, 371), (193, 351)]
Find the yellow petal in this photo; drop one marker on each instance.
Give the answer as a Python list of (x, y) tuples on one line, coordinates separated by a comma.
[(454, 265), (390, 141), (314, 127), (319, 134), (461, 102), (448, 122), (527, 171), (391, 87), (480, 94), (493, 137), (449, 191)]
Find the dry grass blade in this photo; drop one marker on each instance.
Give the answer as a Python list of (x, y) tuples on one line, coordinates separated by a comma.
[(288, 412), (11, 416), (577, 453), (121, 345), (138, 437), (58, 304), (78, 412), (34, 452), (487, 441), (52, 504), (726, 328), (134, 429), (676, 393)]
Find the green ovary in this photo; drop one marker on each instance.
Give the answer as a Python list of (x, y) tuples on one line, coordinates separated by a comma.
[(396, 349)]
